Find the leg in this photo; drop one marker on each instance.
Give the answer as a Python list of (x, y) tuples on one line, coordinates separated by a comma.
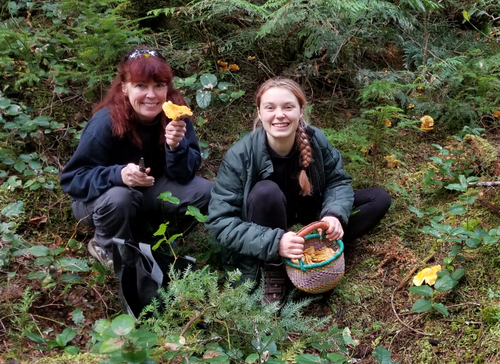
[(370, 206), (267, 205), (111, 214)]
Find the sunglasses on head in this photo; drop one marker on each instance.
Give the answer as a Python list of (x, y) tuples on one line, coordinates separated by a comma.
[(144, 52)]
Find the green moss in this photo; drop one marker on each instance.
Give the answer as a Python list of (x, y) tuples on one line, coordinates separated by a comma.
[(490, 315)]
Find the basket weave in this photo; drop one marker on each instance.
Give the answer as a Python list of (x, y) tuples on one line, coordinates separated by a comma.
[(317, 277)]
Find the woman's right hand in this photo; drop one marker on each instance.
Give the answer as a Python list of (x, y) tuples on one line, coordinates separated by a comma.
[(291, 246), (133, 177)]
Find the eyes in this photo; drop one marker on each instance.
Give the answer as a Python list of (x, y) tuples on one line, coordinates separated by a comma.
[(143, 85), (287, 107)]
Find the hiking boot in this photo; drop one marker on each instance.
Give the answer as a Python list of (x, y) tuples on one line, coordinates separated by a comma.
[(275, 281), (99, 253)]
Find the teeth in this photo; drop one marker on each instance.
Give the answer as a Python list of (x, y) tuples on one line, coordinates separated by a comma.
[(150, 105), (280, 125)]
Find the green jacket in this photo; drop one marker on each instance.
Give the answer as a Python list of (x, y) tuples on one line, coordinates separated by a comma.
[(246, 244)]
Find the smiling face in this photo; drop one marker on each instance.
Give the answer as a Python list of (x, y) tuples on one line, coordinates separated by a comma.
[(146, 98), (280, 112)]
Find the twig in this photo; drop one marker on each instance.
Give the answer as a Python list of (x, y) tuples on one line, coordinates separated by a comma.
[(485, 184), (488, 205), (399, 319), (464, 304), (186, 327), (412, 272)]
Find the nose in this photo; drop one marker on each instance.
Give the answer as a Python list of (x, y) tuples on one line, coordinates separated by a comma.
[(151, 94), (280, 113)]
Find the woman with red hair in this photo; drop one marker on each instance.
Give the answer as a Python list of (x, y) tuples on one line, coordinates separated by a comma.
[(111, 189)]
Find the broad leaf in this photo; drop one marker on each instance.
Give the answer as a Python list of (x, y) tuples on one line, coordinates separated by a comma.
[(203, 99), (122, 325), (424, 290), (445, 283), (208, 80), (439, 307), (422, 305)]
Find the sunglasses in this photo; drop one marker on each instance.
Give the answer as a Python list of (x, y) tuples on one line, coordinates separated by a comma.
[(144, 52)]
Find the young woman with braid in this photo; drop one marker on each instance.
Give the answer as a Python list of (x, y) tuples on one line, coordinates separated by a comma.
[(283, 173)]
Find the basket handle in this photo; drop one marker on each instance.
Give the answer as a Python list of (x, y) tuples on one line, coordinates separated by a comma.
[(306, 230)]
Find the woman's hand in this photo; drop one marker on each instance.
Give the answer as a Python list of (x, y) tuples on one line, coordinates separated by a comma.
[(335, 230), (133, 177), (291, 246), (174, 132)]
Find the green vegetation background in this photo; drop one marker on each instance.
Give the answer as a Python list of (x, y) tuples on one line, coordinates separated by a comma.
[(371, 69)]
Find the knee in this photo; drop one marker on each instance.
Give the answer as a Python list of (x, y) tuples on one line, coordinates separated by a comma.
[(266, 193), (120, 200), (382, 198)]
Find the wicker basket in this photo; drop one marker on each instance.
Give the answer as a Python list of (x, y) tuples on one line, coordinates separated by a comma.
[(317, 277)]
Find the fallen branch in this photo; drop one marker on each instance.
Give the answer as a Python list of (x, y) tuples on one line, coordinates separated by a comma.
[(485, 184)]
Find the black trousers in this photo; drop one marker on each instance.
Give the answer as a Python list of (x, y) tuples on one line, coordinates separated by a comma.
[(267, 206)]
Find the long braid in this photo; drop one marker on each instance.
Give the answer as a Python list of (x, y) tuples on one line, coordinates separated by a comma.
[(305, 158)]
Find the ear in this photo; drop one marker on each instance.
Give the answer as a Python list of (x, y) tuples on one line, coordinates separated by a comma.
[(124, 88)]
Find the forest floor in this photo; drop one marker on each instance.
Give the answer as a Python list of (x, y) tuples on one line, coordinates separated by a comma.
[(372, 299)]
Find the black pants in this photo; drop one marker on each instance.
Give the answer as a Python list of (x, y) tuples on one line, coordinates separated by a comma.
[(267, 207)]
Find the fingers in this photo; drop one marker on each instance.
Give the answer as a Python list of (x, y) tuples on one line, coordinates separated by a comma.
[(291, 246), (133, 177), (335, 230), (174, 133)]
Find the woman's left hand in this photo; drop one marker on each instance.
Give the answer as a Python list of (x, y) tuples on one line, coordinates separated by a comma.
[(335, 230), (174, 132)]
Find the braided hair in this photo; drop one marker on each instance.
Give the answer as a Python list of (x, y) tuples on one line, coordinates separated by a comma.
[(301, 137)]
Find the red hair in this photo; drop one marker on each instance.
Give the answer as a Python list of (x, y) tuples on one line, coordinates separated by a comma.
[(142, 69)]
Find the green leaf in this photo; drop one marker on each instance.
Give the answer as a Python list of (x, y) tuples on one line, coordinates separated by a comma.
[(224, 85), (208, 81), (455, 249), (13, 209), (307, 359), (382, 355), (458, 209), (336, 358), (416, 211), (456, 187), (445, 283), (134, 354), (424, 290), (422, 305), (490, 239), (458, 273), (144, 338), (111, 345), (346, 336), (237, 94), (203, 99), (72, 350), (35, 337), (38, 251), (195, 211), (473, 243), (252, 358), (466, 15), (167, 197), (122, 325), (77, 316), (65, 337), (224, 97), (439, 307)]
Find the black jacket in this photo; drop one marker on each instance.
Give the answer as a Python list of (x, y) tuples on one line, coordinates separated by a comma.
[(97, 163)]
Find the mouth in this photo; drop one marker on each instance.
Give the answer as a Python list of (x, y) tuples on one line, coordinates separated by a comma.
[(150, 105), (281, 125)]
